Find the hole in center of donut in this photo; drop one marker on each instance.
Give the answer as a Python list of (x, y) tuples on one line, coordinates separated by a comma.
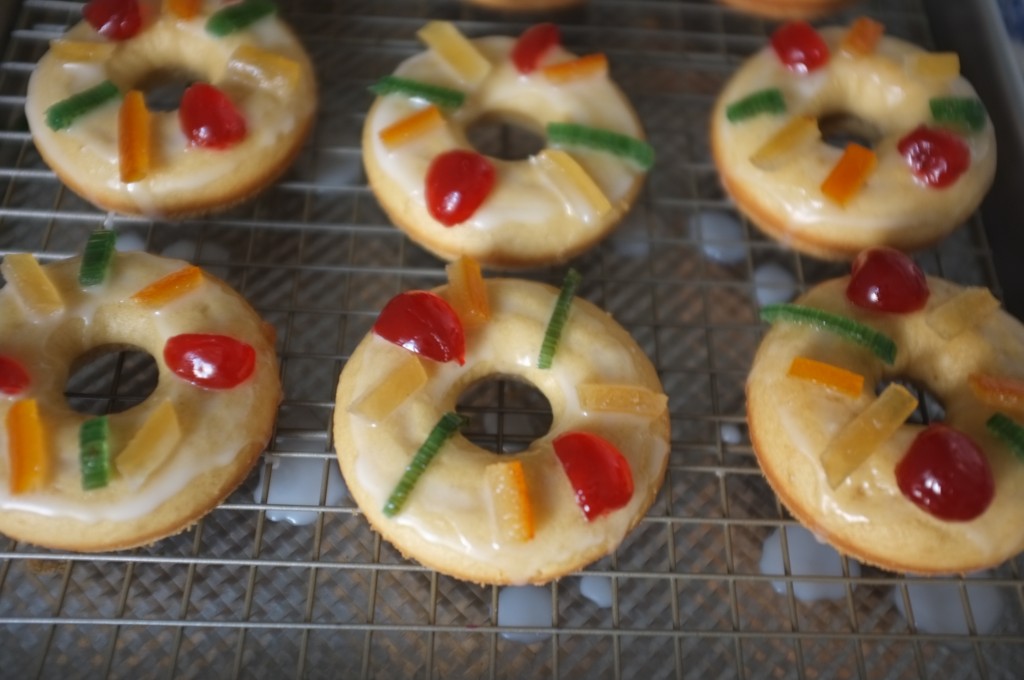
[(930, 408), (110, 380), (841, 128), (163, 88), (505, 138), (507, 414)]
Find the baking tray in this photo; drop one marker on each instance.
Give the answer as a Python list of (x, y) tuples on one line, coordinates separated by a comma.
[(246, 593)]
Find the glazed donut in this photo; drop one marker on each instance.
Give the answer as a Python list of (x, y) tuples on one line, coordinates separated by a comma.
[(236, 130), (935, 499), (453, 519), (74, 482), (932, 156), (503, 213), (788, 9)]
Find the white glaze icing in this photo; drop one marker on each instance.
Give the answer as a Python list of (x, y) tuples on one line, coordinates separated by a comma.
[(807, 556), (893, 207), (102, 316), (448, 506)]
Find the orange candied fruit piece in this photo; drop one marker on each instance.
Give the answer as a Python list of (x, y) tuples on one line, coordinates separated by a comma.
[(184, 9), (411, 127), (382, 399), (863, 36), (940, 65), (151, 445), (29, 460), (584, 67), (133, 137), (787, 143), (467, 292), (170, 287), (630, 399), (29, 280), (998, 391), (81, 50), (849, 174), (828, 375), (512, 507), (264, 69), (455, 50), (964, 310)]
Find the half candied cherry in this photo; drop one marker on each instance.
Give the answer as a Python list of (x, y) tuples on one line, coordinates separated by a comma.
[(887, 280), (946, 474), (458, 182), (423, 322)]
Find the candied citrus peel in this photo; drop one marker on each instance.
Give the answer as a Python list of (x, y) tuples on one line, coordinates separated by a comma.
[(262, 68), (134, 140), (81, 50), (28, 458), (573, 183), (588, 66), (382, 399), (467, 292), (827, 374), (939, 65), (855, 442), (863, 36), (29, 280), (151, 445), (849, 174), (184, 9), (170, 287), (998, 391), (455, 50), (786, 144), (962, 311), (413, 126), (629, 399), (511, 498)]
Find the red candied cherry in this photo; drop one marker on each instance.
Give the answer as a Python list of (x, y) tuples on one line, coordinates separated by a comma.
[(424, 323), (458, 182), (209, 119), (114, 19), (598, 472), (216, 362), (14, 379), (936, 157), (800, 48), (886, 280), (946, 474), (532, 45)]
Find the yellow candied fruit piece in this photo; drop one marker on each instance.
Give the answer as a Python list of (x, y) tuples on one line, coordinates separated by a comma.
[(630, 399), (467, 292), (411, 127), (455, 50), (29, 460), (151, 445), (828, 375), (855, 443), (513, 510), (81, 50), (786, 144), (572, 180), (170, 287), (962, 311), (29, 280), (863, 36), (184, 9), (381, 400), (849, 174), (998, 391), (263, 69), (134, 139), (938, 65), (587, 66)]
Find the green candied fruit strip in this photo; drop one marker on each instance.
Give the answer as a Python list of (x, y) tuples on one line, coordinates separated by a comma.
[(96, 258), (62, 114), (624, 146), (879, 343), (967, 112), (435, 94), (754, 104), (444, 430), (94, 453), (234, 18), (1005, 429), (558, 316)]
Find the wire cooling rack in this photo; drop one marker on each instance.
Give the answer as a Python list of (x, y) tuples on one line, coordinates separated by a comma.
[(245, 594)]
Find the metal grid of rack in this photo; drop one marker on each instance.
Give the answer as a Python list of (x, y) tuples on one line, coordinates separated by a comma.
[(246, 594)]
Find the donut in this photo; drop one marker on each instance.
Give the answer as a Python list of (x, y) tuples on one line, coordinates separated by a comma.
[(237, 128), (72, 481), (842, 439), (566, 500), (788, 9), (932, 152), (505, 214)]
